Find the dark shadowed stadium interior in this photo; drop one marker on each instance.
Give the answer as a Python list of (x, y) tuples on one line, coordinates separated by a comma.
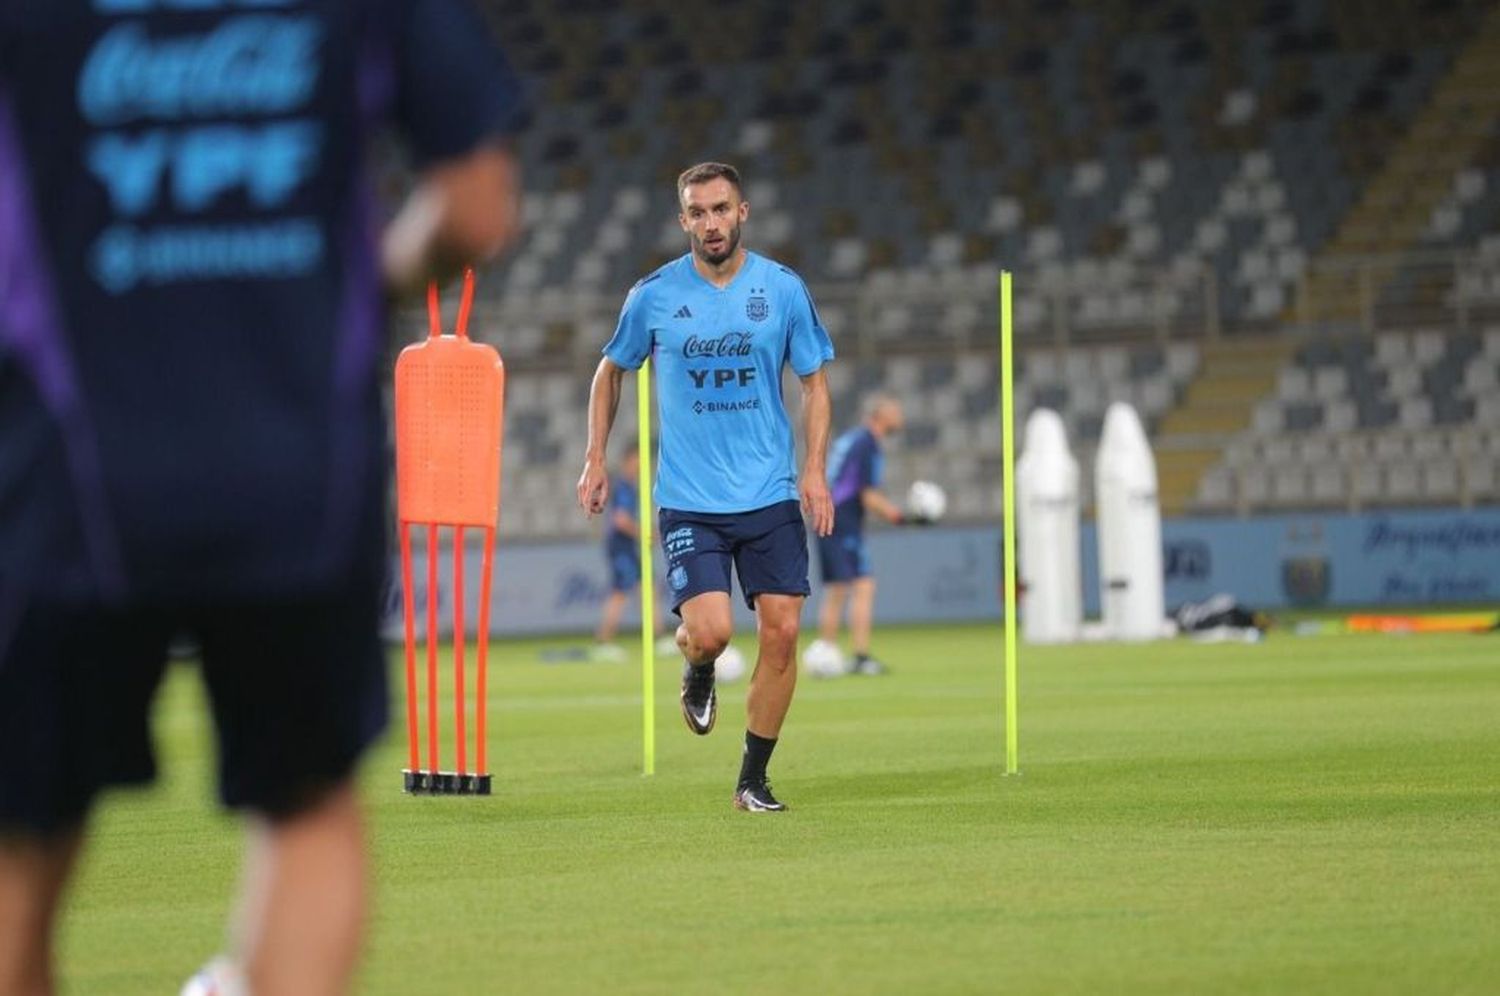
[(1269, 226)]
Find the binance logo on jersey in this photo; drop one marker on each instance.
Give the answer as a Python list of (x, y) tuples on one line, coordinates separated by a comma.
[(714, 407)]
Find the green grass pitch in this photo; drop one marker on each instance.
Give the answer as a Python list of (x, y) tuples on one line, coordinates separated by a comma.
[(1308, 815)]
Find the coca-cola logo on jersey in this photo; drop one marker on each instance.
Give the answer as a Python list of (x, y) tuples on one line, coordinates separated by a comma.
[(728, 344), (251, 64)]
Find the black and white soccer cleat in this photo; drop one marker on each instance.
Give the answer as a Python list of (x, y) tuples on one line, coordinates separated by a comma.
[(700, 701), (757, 798)]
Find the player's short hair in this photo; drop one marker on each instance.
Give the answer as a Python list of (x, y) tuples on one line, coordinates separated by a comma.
[(704, 172), (875, 402)]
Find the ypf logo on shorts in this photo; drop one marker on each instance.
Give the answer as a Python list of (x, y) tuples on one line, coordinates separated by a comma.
[(679, 541)]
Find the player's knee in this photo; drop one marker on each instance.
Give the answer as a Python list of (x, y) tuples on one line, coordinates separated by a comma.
[(779, 633), (709, 638)]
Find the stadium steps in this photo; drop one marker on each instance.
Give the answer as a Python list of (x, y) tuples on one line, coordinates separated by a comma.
[(1178, 472), (1396, 207), (1218, 404)]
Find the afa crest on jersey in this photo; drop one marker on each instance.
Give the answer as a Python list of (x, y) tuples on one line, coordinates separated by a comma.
[(757, 309)]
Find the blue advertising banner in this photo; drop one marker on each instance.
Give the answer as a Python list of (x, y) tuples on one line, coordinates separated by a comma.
[(1376, 558), (942, 574)]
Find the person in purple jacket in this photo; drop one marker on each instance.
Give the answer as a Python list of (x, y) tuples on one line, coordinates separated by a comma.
[(193, 280), (856, 471)]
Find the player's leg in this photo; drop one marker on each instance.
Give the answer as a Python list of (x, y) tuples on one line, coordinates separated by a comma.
[(698, 563), (624, 579), (861, 608), (298, 694), (835, 597), (34, 870), (772, 563), (770, 696), (609, 618), (861, 622), (835, 572), (778, 618), (861, 614), (75, 690), (301, 910), (707, 625)]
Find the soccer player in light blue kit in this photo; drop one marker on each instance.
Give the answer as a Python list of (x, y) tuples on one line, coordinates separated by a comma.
[(721, 323)]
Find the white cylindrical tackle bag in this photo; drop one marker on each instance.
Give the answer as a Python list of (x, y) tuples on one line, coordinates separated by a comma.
[(1047, 522), (1129, 515)]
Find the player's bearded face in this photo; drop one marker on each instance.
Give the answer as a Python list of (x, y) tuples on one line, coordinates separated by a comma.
[(711, 216), (716, 240)]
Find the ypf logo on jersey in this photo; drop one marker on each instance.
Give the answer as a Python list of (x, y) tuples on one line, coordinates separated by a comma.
[(757, 308)]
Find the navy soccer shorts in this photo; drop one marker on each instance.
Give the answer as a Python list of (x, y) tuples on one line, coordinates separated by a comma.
[(842, 557), (624, 562), (297, 688), (767, 546)]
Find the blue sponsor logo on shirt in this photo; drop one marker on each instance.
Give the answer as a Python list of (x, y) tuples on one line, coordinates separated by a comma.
[(191, 160), (254, 64)]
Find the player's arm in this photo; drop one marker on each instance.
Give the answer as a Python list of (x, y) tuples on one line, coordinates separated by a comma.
[(817, 417), (875, 501), (459, 103), (463, 211), (604, 402)]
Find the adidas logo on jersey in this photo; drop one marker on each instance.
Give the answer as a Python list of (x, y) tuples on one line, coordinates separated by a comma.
[(683, 312)]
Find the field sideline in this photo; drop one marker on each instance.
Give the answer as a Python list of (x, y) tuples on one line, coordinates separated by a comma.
[(1308, 815)]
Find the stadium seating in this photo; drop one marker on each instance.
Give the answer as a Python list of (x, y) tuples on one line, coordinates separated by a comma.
[(1405, 418), (1162, 176), (1192, 139)]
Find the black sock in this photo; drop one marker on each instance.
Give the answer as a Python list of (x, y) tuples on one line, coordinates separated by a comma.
[(861, 658), (757, 756)]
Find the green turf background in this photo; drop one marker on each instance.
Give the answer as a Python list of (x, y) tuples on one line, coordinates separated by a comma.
[(1307, 815)]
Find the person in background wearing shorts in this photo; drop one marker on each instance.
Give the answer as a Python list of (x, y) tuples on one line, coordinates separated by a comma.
[(622, 552), (855, 473)]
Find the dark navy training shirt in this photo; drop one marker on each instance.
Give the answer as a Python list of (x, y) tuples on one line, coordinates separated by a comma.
[(190, 310), (623, 497), (856, 463)]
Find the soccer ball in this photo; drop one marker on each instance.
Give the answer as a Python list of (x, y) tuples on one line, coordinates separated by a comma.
[(730, 666), (824, 660), (220, 977), (926, 500)]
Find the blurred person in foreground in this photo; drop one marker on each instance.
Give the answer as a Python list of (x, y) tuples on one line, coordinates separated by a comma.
[(192, 289), (720, 324), (856, 472)]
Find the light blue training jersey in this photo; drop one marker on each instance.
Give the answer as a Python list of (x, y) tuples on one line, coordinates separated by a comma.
[(726, 440)]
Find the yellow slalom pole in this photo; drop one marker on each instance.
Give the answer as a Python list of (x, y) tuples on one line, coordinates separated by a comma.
[(648, 582), (1008, 452)]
